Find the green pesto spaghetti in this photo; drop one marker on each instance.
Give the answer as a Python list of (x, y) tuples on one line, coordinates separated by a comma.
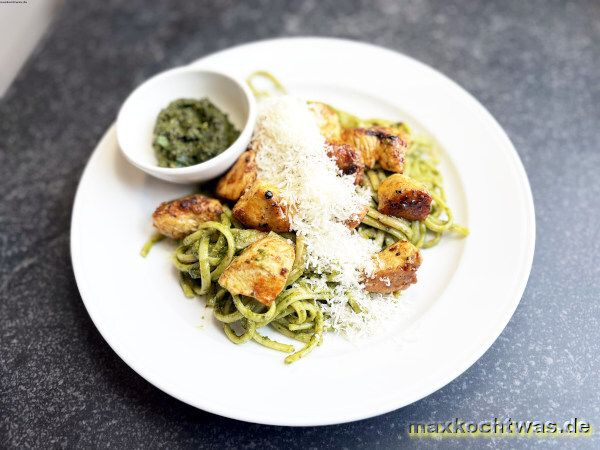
[(297, 313), (203, 256)]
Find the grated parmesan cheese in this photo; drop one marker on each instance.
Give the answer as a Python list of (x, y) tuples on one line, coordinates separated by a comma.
[(291, 154)]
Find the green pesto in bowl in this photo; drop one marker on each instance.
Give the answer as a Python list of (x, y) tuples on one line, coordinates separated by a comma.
[(190, 131)]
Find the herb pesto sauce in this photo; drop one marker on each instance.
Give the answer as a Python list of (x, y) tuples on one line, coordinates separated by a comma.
[(189, 132)]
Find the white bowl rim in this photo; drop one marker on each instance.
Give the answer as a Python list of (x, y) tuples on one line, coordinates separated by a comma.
[(203, 166)]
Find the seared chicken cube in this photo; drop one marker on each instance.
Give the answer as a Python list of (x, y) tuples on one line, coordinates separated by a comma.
[(392, 149), (178, 218), (327, 120), (365, 143), (261, 207), (395, 268), (240, 177), (356, 218), (402, 196), (378, 144), (261, 270), (348, 159)]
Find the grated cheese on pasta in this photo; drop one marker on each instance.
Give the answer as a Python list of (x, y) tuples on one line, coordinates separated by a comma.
[(291, 155)]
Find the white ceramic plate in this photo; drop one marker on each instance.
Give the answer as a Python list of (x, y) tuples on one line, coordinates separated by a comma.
[(467, 289)]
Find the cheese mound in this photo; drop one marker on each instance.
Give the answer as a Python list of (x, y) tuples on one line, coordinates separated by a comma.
[(291, 155)]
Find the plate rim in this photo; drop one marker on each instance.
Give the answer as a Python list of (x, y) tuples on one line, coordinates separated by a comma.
[(476, 354)]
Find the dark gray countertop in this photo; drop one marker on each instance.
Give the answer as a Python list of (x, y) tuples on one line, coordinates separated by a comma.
[(533, 64)]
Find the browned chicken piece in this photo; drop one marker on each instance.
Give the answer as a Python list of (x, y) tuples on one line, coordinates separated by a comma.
[(402, 196), (327, 120), (261, 270), (378, 144), (261, 207), (178, 218), (392, 150), (395, 268), (348, 159), (356, 218), (240, 177), (365, 143)]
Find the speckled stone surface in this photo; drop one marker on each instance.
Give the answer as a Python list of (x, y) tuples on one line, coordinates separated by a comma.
[(533, 64)]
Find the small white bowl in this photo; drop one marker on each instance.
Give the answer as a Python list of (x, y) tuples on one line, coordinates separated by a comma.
[(137, 117)]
